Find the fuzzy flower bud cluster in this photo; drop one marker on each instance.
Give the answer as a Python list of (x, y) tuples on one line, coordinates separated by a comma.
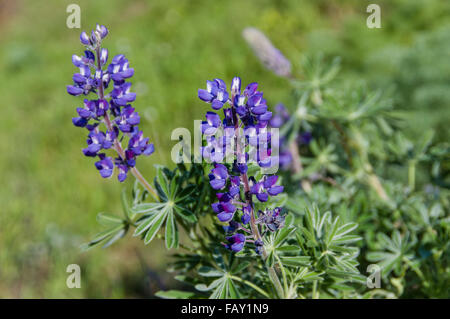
[(113, 109)]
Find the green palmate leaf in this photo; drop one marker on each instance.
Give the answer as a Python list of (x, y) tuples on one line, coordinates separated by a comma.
[(116, 236), (241, 266), (145, 223), (224, 288), (288, 248), (162, 180), (174, 294), (347, 275), (232, 291), (336, 234), (173, 188), (162, 195), (296, 261), (220, 292), (216, 283), (309, 236), (108, 220), (185, 193), (332, 231), (110, 236), (185, 214), (284, 233), (324, 242), (397, 250), (345, 229), (304, 274), (117, 229), (157, 223), (210, 272), (104, 234), (171, 232), (346, 240), (174, 202), (125, 206), (147, 208)]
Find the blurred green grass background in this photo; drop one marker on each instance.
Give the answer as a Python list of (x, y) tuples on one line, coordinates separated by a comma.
[(50, 193)]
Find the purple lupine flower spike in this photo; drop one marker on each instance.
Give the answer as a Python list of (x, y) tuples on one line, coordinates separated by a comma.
[(247, 110), (113, 108)]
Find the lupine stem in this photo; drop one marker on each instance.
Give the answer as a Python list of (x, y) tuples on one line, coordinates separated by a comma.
[(117, 144), (248, 198)]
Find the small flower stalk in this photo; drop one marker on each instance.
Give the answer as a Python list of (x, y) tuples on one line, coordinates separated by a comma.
[(246, 140), (107, 113)]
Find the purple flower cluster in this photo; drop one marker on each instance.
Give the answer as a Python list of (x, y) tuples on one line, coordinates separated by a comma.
[(247, 111), (113, 109)]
